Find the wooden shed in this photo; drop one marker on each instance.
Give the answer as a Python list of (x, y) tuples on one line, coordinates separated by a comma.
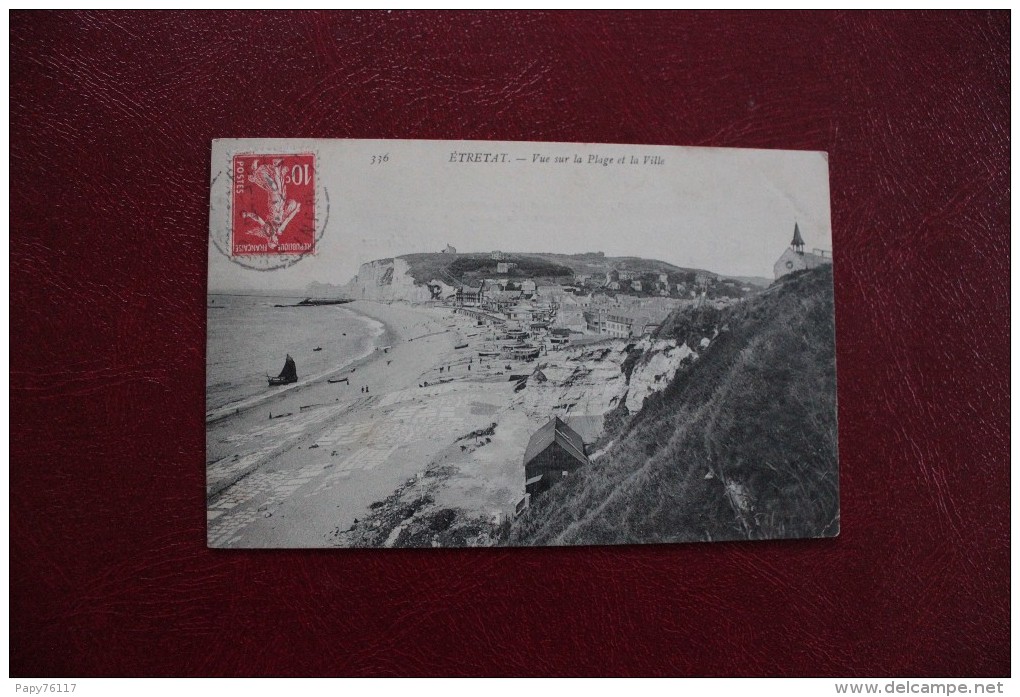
[(553, 452)]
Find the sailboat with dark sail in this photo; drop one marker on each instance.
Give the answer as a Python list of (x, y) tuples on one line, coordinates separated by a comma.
[(287, 375)]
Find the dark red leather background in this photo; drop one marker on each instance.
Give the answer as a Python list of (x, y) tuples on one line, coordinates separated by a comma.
[(111, 121)]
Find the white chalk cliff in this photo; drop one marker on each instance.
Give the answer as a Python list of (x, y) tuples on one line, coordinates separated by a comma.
[(388, 279), (655, 369)]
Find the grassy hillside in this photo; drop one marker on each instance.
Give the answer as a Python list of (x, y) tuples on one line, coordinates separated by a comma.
[(426, 267), (467, 268), (598, 264), (470, 268), (741, 445), (457, 269)]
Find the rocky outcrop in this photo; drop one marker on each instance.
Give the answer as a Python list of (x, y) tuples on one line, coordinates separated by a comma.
[(582, 384), (656, 369), (579, 384)]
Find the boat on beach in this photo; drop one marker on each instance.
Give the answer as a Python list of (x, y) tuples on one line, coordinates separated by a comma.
[(287, 375), (520, 352)]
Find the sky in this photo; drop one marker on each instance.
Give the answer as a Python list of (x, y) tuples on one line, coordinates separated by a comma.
[(726, 210)]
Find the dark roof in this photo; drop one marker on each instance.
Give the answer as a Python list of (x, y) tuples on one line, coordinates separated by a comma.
[(798, 241), (559, 432)]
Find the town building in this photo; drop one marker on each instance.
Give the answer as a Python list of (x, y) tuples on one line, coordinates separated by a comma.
[(471, 297), (595, 320), (628, 317), (624, 323), (500, 300), (555, 295), (505, 266), (570, 318), (553, 452)]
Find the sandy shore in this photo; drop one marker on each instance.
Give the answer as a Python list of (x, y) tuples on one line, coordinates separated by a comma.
[(331, 450)]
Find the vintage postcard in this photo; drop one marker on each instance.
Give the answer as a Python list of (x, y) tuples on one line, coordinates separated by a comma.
[(450, 344)]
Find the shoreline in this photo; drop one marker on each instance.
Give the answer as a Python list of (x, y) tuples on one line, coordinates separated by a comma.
[(382, 335)]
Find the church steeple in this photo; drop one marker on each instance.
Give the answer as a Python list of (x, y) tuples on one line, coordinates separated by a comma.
[(798, 241)]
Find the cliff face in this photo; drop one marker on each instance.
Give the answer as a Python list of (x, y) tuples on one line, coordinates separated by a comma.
[(656, 369), (389, 279), (582, 384)]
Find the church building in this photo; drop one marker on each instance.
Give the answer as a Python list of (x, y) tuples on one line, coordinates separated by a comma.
[(796, 259)]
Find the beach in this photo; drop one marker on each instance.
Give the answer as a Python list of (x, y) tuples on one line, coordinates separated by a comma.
[(311, 458), (419, 442)]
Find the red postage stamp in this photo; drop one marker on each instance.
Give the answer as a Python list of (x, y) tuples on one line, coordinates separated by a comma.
[(273, 205)]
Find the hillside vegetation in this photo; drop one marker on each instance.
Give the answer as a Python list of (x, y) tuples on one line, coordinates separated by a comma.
[(466, 267), (598, 264), (740, 445), (460, 268)]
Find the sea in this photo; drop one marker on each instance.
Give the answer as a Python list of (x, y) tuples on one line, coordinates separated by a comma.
[(249, 338)]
